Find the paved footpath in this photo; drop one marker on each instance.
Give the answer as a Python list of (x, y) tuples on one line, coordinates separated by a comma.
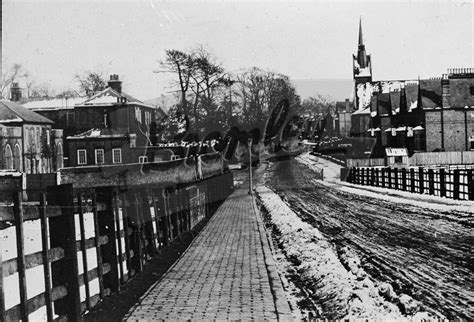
[(227, 273)]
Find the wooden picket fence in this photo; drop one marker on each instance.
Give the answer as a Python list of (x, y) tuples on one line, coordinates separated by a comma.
[(455, 184), (93, 240)]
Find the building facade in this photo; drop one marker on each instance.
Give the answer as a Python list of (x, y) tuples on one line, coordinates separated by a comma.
[(109, 122), (420, 114), (27, 141)]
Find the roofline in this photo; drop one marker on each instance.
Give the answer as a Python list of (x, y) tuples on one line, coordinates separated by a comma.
[(34, 109), (21, 121), (108, 136), (116, 104)]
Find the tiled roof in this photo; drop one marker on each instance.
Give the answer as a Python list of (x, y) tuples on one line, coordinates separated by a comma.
[(411, 91), (110, 96), (384, 103), (461, 92), (55, 103), (14, 112), (395, 101), (430, 93)]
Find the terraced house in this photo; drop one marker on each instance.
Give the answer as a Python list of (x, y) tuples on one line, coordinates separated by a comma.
[(422, 115), (27, 141)]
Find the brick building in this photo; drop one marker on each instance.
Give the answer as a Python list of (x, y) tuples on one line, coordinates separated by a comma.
[(420, 115), (108, 121)]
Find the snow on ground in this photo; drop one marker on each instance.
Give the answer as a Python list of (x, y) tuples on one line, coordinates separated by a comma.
[(339, 284), (332, 178)]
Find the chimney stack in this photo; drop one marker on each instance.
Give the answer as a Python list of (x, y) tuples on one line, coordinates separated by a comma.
[(15, 92), (115, 83), (348, 106)]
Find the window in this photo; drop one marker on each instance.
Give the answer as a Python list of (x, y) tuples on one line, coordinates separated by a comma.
[(81, 157), (8, 157), (70, 119), (116, 155), (99, 156), (38, 137), (59, 156), (17, 158), (138, 114), (147, 118), (142, 159), (31, 137)]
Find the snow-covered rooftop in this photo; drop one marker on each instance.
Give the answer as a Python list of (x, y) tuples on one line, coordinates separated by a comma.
[(55, 103)]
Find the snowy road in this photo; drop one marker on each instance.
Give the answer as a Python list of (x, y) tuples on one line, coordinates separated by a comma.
[(427, 254)]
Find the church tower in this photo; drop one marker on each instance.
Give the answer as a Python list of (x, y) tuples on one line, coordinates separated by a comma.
[(362, 65)]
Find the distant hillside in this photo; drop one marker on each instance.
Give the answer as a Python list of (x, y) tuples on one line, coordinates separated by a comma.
[(163, 101), (338, 89)]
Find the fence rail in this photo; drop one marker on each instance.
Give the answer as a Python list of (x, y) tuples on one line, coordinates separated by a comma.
[(78, 245), (455, 184)]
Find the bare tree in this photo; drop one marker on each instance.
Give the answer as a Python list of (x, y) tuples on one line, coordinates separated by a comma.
[(259, 92), (181, 64), (9, 77), (317, 105), (91, 82), (43, 90)]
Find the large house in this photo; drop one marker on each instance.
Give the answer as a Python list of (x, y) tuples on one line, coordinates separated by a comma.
[(112, 127), (27, 141)]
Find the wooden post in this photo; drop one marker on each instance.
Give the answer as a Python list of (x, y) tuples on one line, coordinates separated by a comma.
[(470, 184), (442, 182), (396, 181), (44, 253), (456, 184), (84, 251), (20, 239), (100, 269), (135, 223), (383, 177), (147, 223), (431, 181), (121, 204), (412, 180), (157, 209), (63, 234), (404, 179), (163, 211), (421, 179), (389, 177), (106, 223), (118, 236)]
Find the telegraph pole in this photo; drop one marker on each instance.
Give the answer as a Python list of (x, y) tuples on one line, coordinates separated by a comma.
[(250, 165)]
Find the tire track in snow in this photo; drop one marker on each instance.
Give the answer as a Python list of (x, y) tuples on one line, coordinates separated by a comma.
[(423, 253)]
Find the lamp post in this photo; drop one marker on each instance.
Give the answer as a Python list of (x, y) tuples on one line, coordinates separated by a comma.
[(250, 165)]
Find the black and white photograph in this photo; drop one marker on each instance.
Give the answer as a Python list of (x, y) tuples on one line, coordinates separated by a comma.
[(167, 160)]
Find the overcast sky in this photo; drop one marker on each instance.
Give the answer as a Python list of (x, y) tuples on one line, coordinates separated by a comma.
[(304, 40)]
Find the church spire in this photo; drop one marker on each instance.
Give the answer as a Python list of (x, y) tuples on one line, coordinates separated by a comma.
[(362, 65), (361, 41), (361, 54)]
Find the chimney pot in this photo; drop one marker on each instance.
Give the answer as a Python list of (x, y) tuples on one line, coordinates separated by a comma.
[(115, 83), (15, 91)]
